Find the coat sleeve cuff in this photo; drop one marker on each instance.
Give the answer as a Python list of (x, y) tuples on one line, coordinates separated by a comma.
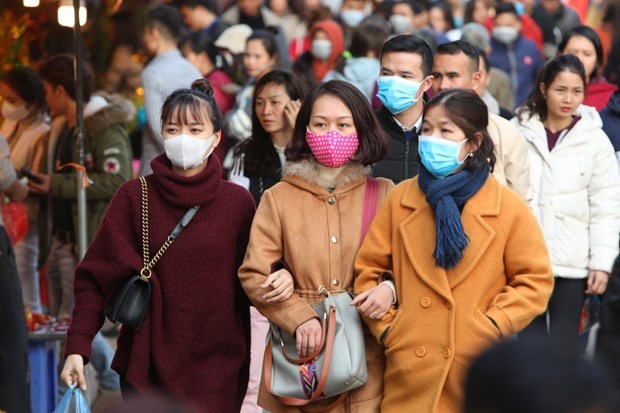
[(79, 344), (377, 327)]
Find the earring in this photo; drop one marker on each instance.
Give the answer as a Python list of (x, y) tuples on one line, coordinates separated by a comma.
[(471, 155)]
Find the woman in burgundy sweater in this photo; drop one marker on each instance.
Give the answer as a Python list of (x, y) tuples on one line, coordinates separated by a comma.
[(194, 342)]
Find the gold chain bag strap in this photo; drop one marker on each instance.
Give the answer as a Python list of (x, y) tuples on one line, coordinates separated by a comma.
[(131, 302)]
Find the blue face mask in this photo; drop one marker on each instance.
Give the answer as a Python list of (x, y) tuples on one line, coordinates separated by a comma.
[(397, 94), (520, 8), (440, 156)]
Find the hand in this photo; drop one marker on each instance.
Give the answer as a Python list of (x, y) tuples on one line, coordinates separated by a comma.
[(308, 337), (291, 110), (73, 371), (40, 188), (281, 283), (374, 303), (17, 191), (597, 282)]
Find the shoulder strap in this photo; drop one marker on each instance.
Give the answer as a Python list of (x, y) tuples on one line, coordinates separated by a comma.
[(147, 263), (371, 195)]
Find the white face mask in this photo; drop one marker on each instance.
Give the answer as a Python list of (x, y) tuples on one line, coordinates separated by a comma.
[(505, 34), (401, 24), (352, 18), (14, 112), (321, 49), (187, 152)]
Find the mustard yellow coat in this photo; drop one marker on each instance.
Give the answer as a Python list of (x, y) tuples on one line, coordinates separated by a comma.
[(443, 318)]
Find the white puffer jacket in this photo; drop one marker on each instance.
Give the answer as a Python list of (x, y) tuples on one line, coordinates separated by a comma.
[(576, 194)]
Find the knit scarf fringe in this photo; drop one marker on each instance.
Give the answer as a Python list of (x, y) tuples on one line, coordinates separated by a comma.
[(446, 196)]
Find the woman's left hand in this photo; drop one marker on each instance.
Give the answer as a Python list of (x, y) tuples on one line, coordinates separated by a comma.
[(281, 283), (291, 110), (375, 302), (597, 282)]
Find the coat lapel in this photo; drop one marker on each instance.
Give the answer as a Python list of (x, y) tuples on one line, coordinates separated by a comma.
[(486, 202), (419, 234)]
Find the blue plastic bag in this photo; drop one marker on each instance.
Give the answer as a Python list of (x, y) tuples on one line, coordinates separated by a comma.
[(73, 402)]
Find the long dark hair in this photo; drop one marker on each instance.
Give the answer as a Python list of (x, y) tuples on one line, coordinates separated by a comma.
[(372, 141), (590, 34), (470, 114), (260, 156), (536, 104), (268, 39)]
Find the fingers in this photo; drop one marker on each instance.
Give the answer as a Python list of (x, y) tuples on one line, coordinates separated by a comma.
[(67, 378), (302, 343), (590, 281), (597, 282), (308, 337), (360, 298), (375, 303), (279, 294), (81, 379), (72, 375), (270, 279), (282, 283)]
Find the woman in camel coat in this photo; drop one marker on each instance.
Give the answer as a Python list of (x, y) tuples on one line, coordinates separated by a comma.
[(312, 221), (451, 306)]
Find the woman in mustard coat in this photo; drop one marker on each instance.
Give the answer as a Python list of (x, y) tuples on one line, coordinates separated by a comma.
[(467, 257)]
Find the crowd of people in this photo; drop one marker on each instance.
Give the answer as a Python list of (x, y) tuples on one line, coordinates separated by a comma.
[(489, 133)]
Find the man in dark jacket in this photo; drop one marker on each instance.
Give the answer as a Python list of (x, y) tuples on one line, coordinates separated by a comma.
[(514, 54), (406, 63), (108, 165)]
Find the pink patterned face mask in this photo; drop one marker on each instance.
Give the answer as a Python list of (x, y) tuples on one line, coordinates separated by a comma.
[(332, 149)]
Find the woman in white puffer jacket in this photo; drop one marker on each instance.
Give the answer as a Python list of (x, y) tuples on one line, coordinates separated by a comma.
[(576, 194)]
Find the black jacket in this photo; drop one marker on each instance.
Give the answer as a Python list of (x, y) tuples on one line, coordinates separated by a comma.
[(610, 115), (402, 160), (608, 339)]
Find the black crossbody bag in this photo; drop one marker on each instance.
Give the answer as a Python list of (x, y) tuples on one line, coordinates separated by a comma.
[(131, 302)]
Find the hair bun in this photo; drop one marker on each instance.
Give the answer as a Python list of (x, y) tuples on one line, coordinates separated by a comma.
[(203, 85)]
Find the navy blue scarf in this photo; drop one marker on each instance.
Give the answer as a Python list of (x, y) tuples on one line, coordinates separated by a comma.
[(446, 196)]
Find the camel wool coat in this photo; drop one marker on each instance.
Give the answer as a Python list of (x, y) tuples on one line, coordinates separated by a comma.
[(317, 233), (445, 318)]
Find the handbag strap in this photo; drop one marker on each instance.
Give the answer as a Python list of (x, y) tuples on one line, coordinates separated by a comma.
[(371, 194), (329, 346), (147, 263)]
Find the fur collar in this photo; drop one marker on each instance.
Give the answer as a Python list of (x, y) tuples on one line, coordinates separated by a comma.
[(315, 173), (116, 110)]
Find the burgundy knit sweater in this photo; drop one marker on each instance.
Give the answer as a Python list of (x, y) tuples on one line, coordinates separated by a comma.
[(194, 343)]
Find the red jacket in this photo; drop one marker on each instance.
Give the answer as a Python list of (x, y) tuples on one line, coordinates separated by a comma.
[(598, 93), (195, 341)]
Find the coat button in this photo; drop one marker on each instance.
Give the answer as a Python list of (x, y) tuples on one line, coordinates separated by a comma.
[(335, 282), (420, 351), (425, 302), (331, 200), (448, 305), (447, 353), (334, 239)]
